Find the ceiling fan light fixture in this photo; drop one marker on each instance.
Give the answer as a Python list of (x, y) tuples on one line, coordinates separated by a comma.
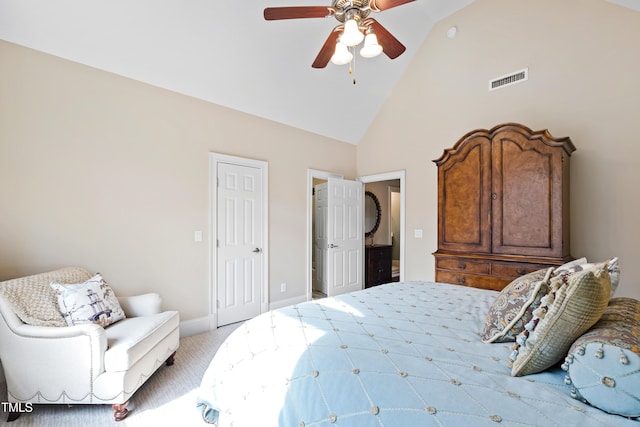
[(341, 55), (351, 35), (371, 47), (354, 24)]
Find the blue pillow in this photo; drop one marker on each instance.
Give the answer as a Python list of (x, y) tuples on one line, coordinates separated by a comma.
[(603, 365)]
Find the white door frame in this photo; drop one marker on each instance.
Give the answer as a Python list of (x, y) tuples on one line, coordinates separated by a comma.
[(311, 175), (214, 160), (388, 176)]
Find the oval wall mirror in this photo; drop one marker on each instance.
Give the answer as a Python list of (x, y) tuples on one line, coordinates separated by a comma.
[(371, 213)]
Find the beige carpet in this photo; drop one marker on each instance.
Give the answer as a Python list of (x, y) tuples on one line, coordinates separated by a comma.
[(167, 398)]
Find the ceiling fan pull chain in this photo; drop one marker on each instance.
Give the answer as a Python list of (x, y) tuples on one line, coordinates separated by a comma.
[(352, 65)]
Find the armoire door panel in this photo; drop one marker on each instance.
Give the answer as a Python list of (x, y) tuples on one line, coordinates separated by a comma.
[(464, 199), (526, 183)]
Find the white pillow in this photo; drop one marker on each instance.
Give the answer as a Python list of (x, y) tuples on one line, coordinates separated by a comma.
[(90, 302)]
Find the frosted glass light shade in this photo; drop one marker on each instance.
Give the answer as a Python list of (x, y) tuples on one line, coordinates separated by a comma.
[(371, 47), (351, 35), (341, 55)]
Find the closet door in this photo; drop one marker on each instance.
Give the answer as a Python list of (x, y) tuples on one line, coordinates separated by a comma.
[(464, 197), (527, 196)]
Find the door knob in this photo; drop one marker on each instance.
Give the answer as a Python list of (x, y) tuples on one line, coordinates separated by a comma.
[(331, 246), (257, 250)]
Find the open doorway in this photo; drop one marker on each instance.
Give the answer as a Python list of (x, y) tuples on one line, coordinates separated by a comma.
[(392, 216), (338, 238), (314, 282), (318, 285), (396, 237), (387, 243)]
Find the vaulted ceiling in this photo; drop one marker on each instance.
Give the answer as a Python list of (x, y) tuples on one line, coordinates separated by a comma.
[(225, 52)]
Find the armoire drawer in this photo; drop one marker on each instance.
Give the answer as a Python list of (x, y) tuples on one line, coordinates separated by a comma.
[(462, 265), (514, 270), (473, 280)]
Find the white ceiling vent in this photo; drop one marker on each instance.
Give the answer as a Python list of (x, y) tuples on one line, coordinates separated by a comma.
[(509, 79)]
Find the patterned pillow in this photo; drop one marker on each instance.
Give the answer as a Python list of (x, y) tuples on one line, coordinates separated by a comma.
[(90, 302), (34, 301), (576, 302), (514, 306), (603, 365)]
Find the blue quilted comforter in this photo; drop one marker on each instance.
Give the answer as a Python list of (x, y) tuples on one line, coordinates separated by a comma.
[(402, 354)]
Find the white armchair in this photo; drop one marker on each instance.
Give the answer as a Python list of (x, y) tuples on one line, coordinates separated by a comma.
[(86, 363)]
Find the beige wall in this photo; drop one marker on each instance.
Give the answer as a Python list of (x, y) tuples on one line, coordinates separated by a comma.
[(112, 175), (584, 64)]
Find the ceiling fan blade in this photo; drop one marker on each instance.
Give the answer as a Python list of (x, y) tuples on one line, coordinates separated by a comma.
[(379, 5), (391, 46), (295, 12), (327, 50)]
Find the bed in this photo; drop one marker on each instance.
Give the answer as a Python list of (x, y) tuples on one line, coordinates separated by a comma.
[(399, 354)]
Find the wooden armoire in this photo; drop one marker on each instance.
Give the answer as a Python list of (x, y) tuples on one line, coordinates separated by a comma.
[(503, 206)]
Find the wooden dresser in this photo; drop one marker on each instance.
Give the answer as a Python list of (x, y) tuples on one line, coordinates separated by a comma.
[(378, 262), (503, 206)]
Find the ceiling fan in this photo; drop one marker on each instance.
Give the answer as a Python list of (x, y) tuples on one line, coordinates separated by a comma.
[(355, 26)]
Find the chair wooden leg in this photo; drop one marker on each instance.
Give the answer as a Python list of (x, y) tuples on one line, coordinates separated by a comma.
[(120, 411), (171, 359)]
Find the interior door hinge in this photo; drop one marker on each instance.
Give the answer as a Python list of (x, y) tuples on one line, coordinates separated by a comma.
[(217, 303)]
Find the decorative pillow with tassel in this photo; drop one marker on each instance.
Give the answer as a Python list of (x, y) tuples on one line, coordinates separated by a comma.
[(603, 365), (515, 304), (576, 302)]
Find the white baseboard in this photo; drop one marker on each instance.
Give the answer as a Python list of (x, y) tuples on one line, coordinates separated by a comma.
[(207, 323), (195, 326), (287, 302)]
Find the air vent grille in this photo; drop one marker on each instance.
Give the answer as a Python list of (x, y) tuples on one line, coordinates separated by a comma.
[(509, 79)]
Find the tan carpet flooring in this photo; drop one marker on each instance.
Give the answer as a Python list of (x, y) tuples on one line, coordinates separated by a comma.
[(167, 398)]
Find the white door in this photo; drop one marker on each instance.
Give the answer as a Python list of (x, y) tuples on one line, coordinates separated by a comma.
[(239, 263), (343, 259)]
